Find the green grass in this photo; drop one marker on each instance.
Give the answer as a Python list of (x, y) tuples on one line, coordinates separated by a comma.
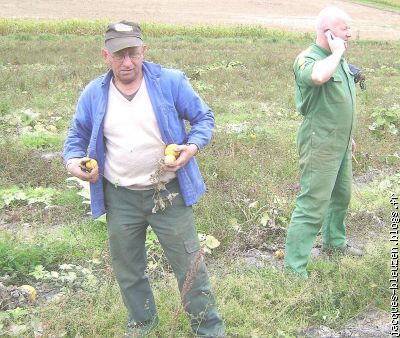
[(250, 168), (19, 260), (26, 166), (254, 302), (49, 246), (391, 5), (42, 141), (327, 298), (28, 27)]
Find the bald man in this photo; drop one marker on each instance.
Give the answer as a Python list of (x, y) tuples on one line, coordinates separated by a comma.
[(325, 96)]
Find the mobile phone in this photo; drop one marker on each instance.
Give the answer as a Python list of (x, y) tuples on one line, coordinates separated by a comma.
[(330, 33)]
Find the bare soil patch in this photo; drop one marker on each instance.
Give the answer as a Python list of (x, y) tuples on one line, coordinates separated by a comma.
[(368, 23), (373, 324)]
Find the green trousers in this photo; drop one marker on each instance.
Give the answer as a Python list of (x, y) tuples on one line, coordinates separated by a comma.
[(128, 216), (326, 177)]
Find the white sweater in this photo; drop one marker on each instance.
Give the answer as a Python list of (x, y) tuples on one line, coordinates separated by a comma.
[(133, 140)]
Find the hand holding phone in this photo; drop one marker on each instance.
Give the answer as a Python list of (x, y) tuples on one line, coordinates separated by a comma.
[(329, 35), (335, 43)]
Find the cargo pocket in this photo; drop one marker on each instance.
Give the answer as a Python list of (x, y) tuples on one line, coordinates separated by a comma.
[(324, 152), (192, 245)]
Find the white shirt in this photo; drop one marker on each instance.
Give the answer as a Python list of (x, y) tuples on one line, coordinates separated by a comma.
[(133, 140)]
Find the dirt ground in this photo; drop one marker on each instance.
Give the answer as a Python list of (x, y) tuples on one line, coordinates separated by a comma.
[(299, 15)]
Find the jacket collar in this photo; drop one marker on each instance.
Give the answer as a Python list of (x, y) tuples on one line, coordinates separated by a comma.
[(151, 69), (107, 78), (321, 50)]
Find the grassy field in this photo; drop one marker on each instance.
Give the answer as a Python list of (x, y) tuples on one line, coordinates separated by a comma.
[(391, 5), (244, 73)]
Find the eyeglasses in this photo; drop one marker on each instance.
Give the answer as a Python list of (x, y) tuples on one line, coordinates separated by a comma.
[(120, 57)]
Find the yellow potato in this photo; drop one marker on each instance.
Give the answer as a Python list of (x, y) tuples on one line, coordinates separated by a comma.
[(31, 290), (170, 150), (169, 159), (91, 164), (279, 254)]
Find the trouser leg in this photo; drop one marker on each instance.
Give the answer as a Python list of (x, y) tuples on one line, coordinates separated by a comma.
[(334, 229), (319, 172), (175, 229), (126, 226), (304, 226)]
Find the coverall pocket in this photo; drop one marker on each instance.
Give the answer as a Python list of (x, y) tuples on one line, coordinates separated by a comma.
[(323, 150), (192, 245), (334, 90)]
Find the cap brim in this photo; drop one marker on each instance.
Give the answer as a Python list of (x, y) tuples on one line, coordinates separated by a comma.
[(114, 45)]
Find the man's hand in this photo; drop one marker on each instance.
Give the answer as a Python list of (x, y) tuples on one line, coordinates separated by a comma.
[(186, 153), (325, 68), (337, 45), (77, 168)]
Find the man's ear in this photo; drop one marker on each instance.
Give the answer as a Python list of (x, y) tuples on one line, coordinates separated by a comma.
[(104, 54), (329, 35)]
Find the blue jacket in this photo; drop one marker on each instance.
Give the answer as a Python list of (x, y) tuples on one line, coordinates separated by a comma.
[(173, 101)]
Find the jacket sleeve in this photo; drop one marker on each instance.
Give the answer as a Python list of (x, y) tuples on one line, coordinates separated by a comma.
[(78, 137), (192, 108)]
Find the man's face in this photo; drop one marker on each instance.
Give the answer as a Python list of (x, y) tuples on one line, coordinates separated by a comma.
[(341, 29), (126, 64)]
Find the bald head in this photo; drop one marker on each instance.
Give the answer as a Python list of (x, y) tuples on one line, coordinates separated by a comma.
[(329, 18)]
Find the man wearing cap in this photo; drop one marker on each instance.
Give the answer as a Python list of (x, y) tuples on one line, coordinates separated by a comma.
[(325, 95), (124, 119)]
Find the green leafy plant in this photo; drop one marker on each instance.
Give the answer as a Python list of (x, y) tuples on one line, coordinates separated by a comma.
[(20, 259), (154, 250), (265, 215), (386, 120), (16, 196), (15, 316), (198, 71), (208, 242), (68, 275), (41, 141)]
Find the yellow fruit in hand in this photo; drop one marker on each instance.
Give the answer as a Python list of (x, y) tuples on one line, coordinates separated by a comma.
[(279, 254), (91, 164), (170, 150), (169, 159), (31, 291)]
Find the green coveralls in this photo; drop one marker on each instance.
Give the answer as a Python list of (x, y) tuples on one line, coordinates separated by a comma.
[(324, 144)]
